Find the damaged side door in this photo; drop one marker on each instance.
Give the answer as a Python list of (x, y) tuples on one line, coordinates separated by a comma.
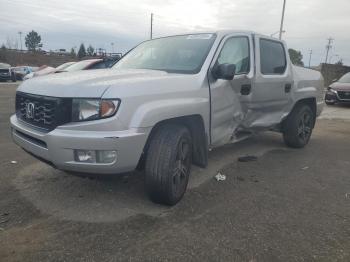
[(226, 110), (270, 96)]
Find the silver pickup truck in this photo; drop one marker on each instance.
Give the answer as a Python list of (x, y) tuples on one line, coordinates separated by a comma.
[(165, 104)]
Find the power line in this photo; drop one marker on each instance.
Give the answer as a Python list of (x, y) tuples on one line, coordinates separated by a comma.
[(328, 47)]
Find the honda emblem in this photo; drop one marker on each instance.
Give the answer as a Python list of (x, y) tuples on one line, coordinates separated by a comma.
[(30, 107)]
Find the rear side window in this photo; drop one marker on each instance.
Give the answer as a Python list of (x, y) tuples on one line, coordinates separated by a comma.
[(272, 57)]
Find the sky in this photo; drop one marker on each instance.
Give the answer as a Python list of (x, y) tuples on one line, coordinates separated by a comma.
[(68, 23)]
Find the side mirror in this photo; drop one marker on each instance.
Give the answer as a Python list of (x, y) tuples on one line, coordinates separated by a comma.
[(334, 80), (224, 71)]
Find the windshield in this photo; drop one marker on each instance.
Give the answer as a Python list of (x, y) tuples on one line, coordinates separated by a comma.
[(345, 78), (175, 54)]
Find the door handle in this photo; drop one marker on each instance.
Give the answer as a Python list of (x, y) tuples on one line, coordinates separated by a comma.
[(287, 87), (246, 89)]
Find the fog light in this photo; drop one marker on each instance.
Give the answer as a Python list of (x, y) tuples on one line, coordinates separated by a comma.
[(86, 156), (106, 156)]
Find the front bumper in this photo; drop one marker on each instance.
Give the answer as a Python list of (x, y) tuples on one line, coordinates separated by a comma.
[(57, 147), (5, 77)]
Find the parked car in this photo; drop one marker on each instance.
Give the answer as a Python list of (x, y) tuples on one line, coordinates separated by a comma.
[(22, 71), (339, 91), (46, 70), (88, 64), (63, 66), (6, 73), (165, 104)]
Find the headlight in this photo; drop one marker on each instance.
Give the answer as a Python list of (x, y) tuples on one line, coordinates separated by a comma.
[(331, 90), (93, 109)]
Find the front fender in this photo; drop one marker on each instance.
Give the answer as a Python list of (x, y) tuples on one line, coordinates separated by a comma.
[(150, 113)]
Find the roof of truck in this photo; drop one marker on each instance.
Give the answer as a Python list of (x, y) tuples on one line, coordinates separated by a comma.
[(222, 33), (226, 32)]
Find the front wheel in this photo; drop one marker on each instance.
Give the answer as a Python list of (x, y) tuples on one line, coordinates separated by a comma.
[(168, 164), (298, 126)]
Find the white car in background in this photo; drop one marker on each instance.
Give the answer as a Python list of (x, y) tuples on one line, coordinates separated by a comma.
[(45, 70)]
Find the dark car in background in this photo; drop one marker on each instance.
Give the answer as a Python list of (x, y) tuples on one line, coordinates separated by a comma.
[(6, 73), (339, 91)]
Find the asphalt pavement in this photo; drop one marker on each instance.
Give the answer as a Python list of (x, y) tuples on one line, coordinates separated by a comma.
[(288, 205)]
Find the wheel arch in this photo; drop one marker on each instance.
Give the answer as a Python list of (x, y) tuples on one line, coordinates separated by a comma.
[(195, 125), (309, 101)]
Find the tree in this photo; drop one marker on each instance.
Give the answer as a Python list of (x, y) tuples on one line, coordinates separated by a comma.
[(90, 50), (82, 51), (72, 53), (33, 41), (3, 47), (296, 57), (340, 62)]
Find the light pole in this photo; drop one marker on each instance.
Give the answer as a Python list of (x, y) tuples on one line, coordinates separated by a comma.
[(20, 38), (282, 19)]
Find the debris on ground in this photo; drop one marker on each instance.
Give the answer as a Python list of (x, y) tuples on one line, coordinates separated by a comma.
[(347, 195), (14, 162), (239, 178), (253, 178), (304, 168), (247, 158), (220, 177)]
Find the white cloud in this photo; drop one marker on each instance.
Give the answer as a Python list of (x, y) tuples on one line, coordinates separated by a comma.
[(67, 23)]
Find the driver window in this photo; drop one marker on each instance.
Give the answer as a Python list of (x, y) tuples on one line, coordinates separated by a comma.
[(236, 51)]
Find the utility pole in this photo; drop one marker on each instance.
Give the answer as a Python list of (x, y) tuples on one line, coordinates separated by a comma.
[(328, 46), (151, 26), (282, 19), (20, 38), (310, 53)]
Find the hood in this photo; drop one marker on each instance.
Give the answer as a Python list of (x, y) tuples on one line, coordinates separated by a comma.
[(92, 83), (340, 86)]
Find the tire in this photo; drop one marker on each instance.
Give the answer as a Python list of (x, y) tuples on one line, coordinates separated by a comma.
[(168, 164), (298, 126)]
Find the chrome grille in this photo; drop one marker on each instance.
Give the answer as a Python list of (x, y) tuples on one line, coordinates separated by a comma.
[(43, 111)]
